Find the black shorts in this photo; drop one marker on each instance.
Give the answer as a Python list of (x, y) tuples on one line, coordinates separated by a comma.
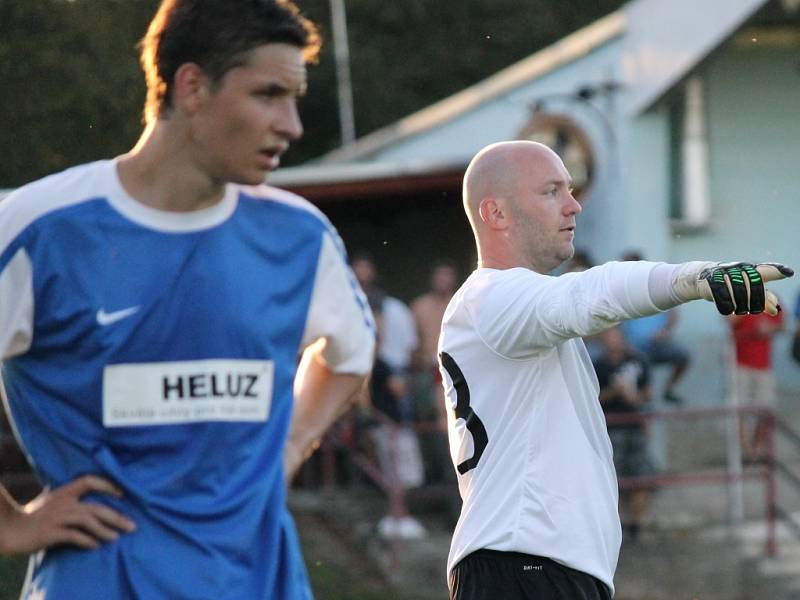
[(489, 575)]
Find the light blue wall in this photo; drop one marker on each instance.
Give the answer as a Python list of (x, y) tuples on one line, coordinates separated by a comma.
[(646, 173), (753, 100), (753, 124)]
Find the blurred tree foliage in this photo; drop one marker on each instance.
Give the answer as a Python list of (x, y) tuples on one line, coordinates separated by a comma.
[(71, 90), (70, 86)]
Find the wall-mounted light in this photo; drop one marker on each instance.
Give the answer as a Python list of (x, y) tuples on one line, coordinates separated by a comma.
[(560, 131)]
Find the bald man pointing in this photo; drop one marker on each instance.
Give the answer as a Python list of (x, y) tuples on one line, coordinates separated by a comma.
[(527, 434)]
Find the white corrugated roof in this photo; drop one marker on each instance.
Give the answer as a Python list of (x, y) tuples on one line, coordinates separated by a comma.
[(667, 38), (564, 51), (329, 173), (662, 41)]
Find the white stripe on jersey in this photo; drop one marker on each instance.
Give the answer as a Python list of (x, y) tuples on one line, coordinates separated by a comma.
[(331, 281), (292, 199), (16, 300), (350, 344), (34, 200)]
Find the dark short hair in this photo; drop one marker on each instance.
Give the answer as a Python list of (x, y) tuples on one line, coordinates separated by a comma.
[(632, 255), (444, 263), (360, 255), (215, 35)]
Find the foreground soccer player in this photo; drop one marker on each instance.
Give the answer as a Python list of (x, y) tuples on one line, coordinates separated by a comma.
[(527, 434), (152, 311)]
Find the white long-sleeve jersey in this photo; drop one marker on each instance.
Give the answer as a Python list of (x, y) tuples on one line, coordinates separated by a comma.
[(527, 433)]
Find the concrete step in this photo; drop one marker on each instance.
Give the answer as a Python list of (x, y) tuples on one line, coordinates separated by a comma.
[(785, 564), (673, 558), (414, 568)]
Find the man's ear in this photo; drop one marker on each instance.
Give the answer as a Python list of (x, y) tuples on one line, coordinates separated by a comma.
[(494, 213), (190, 88)]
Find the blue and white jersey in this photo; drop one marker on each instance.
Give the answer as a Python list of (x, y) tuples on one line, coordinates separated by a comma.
[(159, 350)]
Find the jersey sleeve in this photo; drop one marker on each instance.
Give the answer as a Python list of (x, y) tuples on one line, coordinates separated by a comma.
[(16, 283), (339, 313), (523, 312)]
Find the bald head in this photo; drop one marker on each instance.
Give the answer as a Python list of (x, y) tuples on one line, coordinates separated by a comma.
[(499, 171), (518, 200)]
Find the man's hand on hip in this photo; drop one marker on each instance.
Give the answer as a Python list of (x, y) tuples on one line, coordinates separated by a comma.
[(60, 516)]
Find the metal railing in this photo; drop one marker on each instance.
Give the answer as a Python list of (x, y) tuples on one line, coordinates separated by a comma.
[(767, 471)]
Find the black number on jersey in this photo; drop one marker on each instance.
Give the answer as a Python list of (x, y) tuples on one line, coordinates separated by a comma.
[(464, 411)]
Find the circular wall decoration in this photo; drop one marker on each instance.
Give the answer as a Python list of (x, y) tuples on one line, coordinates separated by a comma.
[(570, 142)]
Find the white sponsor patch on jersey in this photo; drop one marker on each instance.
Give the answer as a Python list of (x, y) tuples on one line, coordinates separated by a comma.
[(194, 391)]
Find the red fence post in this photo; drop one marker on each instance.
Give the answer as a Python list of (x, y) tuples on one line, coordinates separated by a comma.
[(769, 425)]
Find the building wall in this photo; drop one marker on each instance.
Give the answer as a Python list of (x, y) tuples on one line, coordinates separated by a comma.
[(502, 118), (645, 187), (753, 108)]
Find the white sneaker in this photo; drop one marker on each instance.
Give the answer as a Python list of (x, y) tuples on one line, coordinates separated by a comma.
[(406, 528), (410, 529), (388, 527)]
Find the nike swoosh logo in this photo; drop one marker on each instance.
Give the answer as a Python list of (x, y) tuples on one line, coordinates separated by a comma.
[(104, 318)]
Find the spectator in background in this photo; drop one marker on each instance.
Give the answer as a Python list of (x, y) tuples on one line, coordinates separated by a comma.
[(624, 389), (399, 335), (395, 347), (428, 311), (363, 266), (795, 347), (395, 443), (753, 376), (651, 336)]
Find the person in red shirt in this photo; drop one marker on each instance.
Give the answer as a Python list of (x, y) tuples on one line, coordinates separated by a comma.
[(753, 376)]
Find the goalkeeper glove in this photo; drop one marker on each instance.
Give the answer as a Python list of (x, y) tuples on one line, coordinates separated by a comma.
[(735, 287)]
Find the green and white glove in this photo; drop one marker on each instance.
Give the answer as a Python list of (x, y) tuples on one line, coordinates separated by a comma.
[(735, 287)]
